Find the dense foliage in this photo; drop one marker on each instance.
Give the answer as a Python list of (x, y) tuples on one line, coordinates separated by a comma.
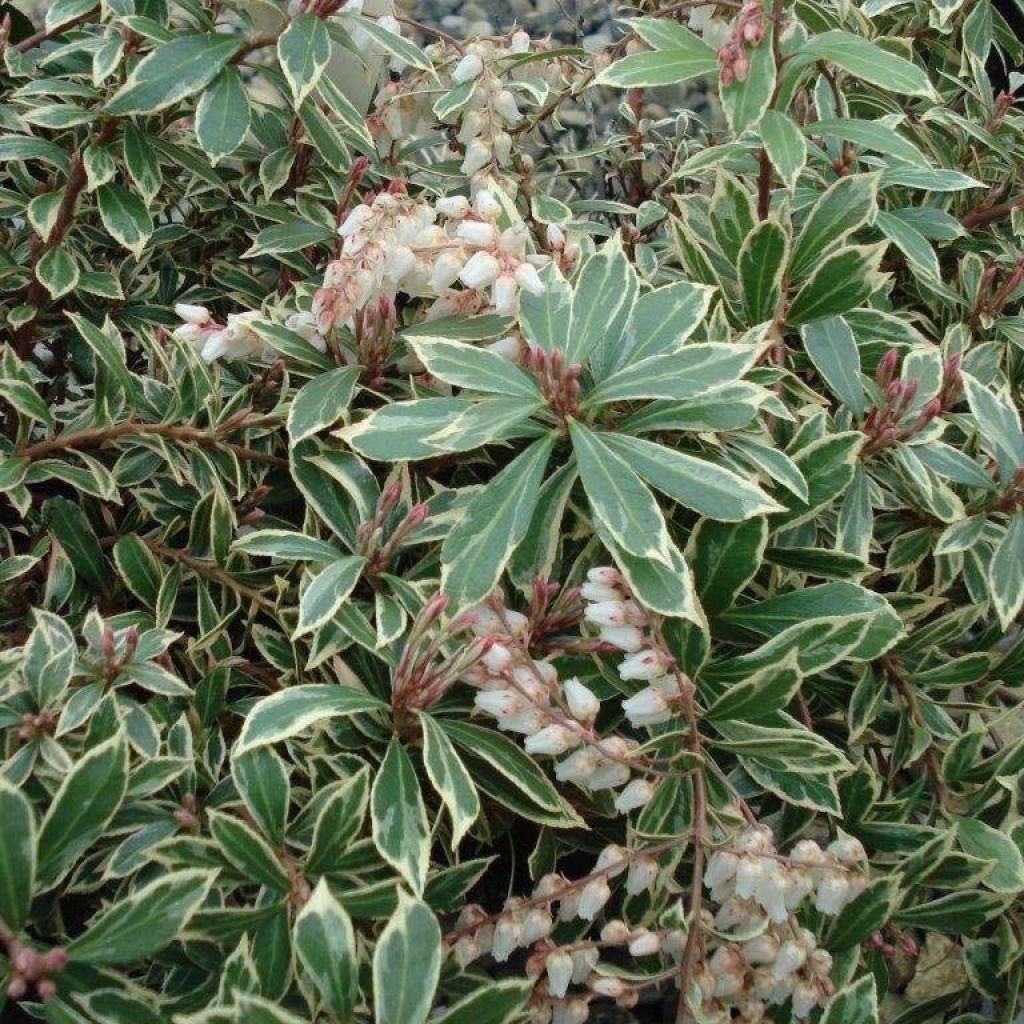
[(456, 564)]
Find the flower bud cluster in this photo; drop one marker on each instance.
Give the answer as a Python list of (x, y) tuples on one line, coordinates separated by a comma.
[(29, 969), (747, 30)]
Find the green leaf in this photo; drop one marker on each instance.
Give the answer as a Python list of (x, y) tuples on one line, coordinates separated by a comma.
[(692, 371), (88, 798), (544, 318), (57, 271), (759, 695), (725, 557), (247, 851), (397, 431), (485, 746), (125, 216), (699, 484), (400, 829), (496, 1002), (602, 300), (288, 545), (980, 840), (663, 319), (865, 913), (290, 235), (173, 71), (295, 709), (785, 145), (325, 943), (832, 348), (398, 46), (138, 568), (449, 778), (842, 208), (261, 778), (762, 267), (873, 135), (304, 50), (326, 592), (406, 964), (340, 820), (139, 925), (863, 59), (1006, 580), (840, 282), (475, 368), (678, 56), (666, 589), (744, 101), (223, 115), (142, 161), (108, 347), (50, 659), (17, 857), (618, 498), (853, 1004), (478, 547), (956, 913), (322, 402)]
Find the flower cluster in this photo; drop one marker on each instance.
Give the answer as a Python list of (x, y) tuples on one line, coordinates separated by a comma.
[(556, 716), (625, 626), (528, 924), (758, 893), (393, 242)]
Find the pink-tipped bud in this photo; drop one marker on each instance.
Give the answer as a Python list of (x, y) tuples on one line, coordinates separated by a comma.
[(16, 988), (416, 515), (887, 367), (55, 960), (45, 989)]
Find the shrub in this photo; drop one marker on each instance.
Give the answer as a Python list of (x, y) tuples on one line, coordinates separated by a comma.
[(460, 564)]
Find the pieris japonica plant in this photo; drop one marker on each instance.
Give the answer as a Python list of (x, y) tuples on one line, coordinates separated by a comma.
[(465, 562)]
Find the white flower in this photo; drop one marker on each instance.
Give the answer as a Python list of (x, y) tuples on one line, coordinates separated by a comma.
[(613, 859), (749, 875), (477, 232), (606, 575), (615, 932), (642, 874), (506, 937), (559, 969), (647, 943), (763, 949), (578, 767), (607, 613), (582, 703), (503, 294), (805, 998), (552, 739), (467, 69), (481, 270), (526, 722), (507, 347), (497, 658), (505, 106), (645, 664), (499, 703), (847, 850), (452, 206), (648, 707), (528, 279), (198, 315), (486, 205), (594, 896), (478, 156), (536, 924), (520, 42), (791, 957), (833, 893), (625, 638), (610, 987), (721, 869), (590, 591), (635, 795)]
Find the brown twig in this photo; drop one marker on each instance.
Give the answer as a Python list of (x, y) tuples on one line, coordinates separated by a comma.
[(987, 214), (32, 41)]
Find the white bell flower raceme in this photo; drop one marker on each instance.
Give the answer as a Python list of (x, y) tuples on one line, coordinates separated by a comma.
[(580, 700), (593, 897), (645, 943), (470, 67)]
